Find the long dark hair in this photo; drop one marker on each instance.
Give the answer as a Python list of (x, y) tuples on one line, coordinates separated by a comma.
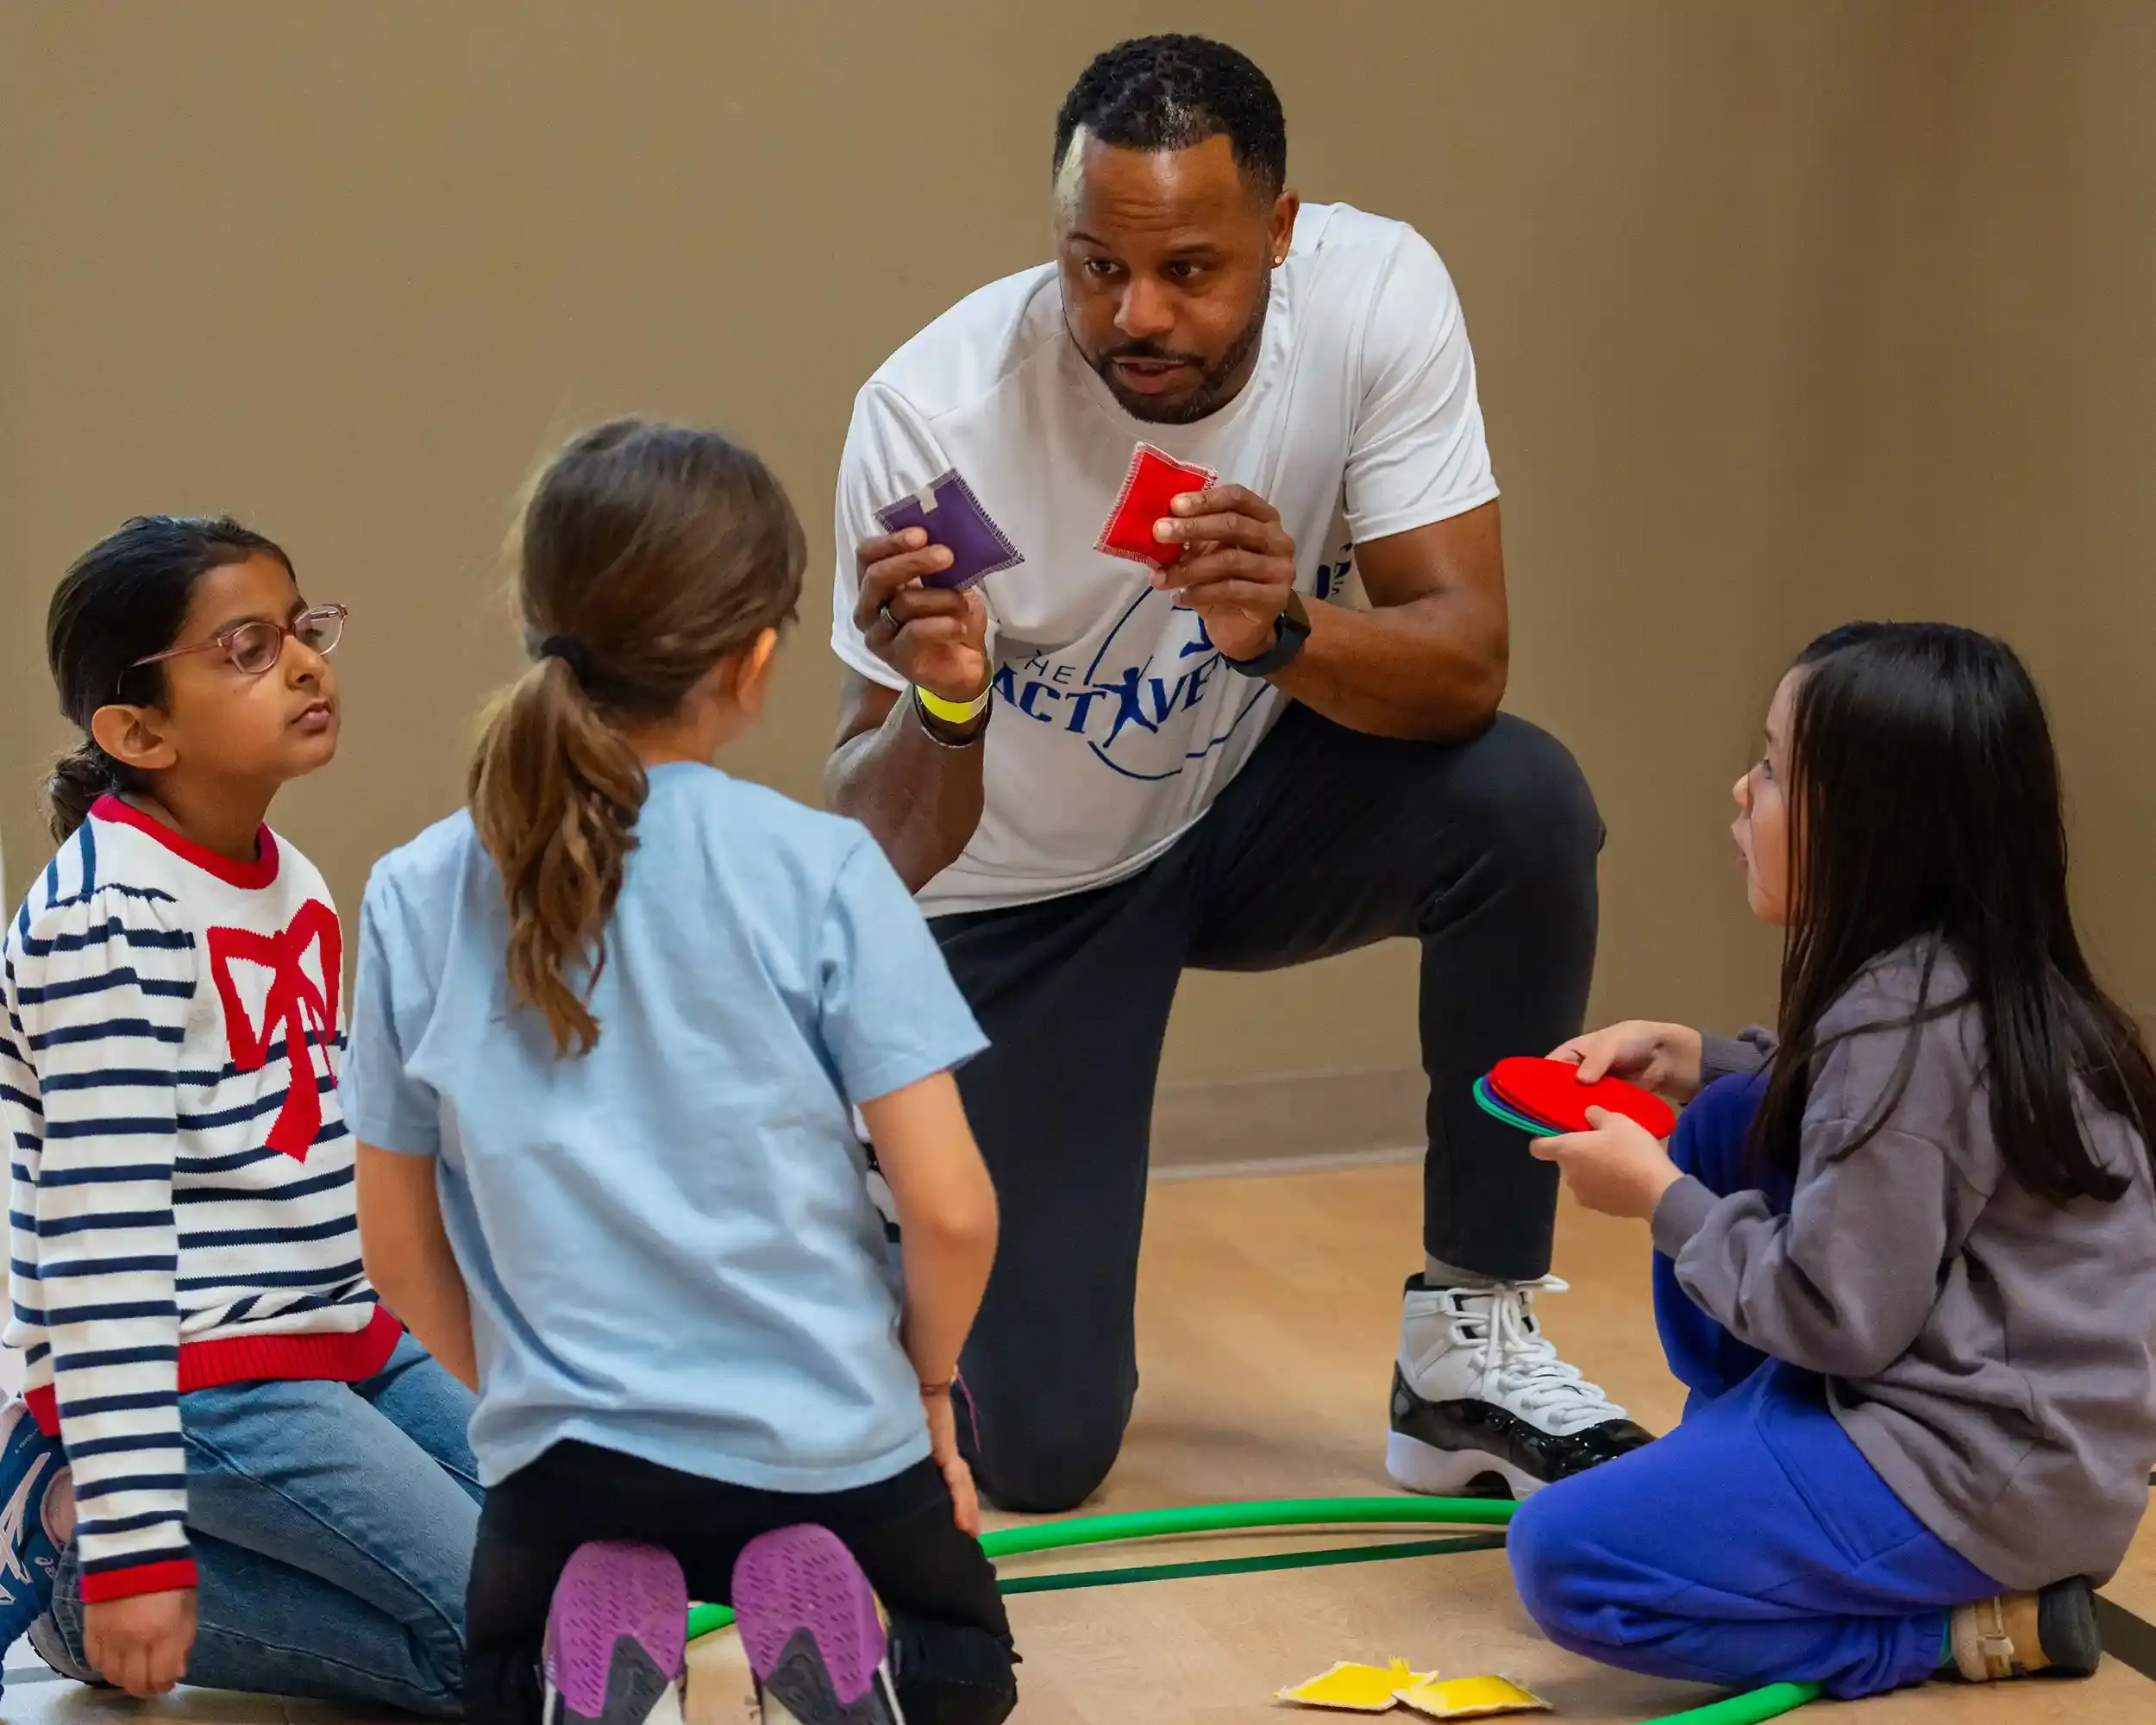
[(1924, 805), (648, 553), (121, 600)]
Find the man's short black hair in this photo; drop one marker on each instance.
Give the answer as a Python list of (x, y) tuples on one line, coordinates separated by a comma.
[(1170, 92)]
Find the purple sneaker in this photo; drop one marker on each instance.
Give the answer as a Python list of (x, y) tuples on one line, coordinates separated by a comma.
[(617, 1638), (813, 1632)]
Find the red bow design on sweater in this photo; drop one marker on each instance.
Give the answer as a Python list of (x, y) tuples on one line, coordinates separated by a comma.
[(294, 1005)]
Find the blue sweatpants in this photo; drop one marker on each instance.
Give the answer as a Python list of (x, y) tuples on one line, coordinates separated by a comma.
[(1754, 1544)]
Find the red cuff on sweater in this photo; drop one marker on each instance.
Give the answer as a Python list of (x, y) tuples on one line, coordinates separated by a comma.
[(341, 1356), (169, 1577)]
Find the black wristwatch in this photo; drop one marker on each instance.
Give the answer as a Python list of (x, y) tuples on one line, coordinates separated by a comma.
[(1290, 630)]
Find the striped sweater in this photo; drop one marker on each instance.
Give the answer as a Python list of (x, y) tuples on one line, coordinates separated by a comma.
[(182, 1210)]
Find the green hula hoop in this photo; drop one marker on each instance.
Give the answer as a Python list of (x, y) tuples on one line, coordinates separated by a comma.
[(1758, 1704)]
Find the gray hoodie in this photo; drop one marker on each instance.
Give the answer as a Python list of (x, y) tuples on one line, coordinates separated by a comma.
[(1989, 1351)]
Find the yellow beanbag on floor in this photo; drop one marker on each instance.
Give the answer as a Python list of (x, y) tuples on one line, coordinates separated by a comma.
[(1470, 1698), (1357, 1689)]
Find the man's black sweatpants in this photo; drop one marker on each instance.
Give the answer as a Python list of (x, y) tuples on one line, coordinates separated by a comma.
[(1327, 840)]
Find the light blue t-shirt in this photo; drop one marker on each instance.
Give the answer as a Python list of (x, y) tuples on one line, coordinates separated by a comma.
[(669, 1242)]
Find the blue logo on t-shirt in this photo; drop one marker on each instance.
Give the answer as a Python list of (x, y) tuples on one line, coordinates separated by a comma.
[(1131, 711)]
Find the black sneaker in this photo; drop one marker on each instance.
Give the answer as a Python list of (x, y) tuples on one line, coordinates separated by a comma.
[(1481, 1405)]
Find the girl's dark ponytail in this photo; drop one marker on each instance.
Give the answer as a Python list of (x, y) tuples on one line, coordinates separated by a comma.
[(79, 778)]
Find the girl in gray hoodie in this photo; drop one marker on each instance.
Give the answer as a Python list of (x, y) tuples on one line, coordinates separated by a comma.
[(1905, 1247)]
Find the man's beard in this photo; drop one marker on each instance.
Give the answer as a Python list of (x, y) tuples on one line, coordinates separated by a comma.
[(1216, 384)]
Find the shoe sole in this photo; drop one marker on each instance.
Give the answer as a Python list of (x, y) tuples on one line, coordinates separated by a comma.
[(1419, 1467), (810, 1626), (2067, 1629), (616, 1637)]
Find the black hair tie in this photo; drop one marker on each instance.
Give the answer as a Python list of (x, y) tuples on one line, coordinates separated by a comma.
[(571, 652)]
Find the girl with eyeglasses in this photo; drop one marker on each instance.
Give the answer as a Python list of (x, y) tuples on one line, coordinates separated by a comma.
[(229, 1466)]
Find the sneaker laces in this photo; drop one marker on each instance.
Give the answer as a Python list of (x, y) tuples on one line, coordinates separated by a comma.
[(1521, 1365)]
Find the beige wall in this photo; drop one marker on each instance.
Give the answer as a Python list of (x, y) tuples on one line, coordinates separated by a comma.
[(1784, 311)]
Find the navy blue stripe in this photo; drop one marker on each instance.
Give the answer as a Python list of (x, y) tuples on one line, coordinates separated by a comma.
[(155, 939), (126, 1524), (37, 1351), (149, 894), (196, 1166), (112, 1078), (126, 976), (107, 1029), (124, 1445), (140, 1559), (25, 1141), (248, 1111), (111, 1357), (52, 888), (104, 1312), (268, 1236), (110, 1126), (238, 1194), (329, 1276), (110, 1219), (119, 1173), (239, 1309), (271, 1056), (118, 1404), (323, 1303), (99, 1266), (21, 1099), (139, 1482), (86, 839), (12, 1051)]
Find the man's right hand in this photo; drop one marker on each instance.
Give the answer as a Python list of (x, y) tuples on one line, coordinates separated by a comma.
[(936, 639), (1661, 1058)]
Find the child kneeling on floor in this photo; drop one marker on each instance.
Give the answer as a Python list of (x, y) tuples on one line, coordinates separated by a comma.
[(271, 1488), (1906, 1250), (609, 1029)]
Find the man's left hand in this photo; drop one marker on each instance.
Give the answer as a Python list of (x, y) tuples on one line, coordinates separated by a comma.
[(1619, 1168), (1239, 569)]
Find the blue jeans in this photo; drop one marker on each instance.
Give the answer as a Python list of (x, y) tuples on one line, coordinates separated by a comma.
[(332, 1527), (1754, 1544)]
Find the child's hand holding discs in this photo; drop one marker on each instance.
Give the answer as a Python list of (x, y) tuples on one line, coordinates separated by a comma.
[(1661, 1058), (1620, 1167)]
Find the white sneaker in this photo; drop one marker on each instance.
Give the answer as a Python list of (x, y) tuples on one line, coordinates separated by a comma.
[(1481, 1404)]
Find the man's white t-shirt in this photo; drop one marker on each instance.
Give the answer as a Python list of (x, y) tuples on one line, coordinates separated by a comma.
[(1117, 723)]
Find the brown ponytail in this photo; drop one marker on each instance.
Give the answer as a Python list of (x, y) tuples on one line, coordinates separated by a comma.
[(648, 554), (77, 780)]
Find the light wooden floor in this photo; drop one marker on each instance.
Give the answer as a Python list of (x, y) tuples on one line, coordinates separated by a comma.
[(1269, 1312), (1268, 1318)]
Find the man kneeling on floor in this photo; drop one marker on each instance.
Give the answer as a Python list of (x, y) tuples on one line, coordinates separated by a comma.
[(1252, 727)]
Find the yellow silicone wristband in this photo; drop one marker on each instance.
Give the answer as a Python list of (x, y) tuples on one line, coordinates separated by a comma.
[(951, 712)]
